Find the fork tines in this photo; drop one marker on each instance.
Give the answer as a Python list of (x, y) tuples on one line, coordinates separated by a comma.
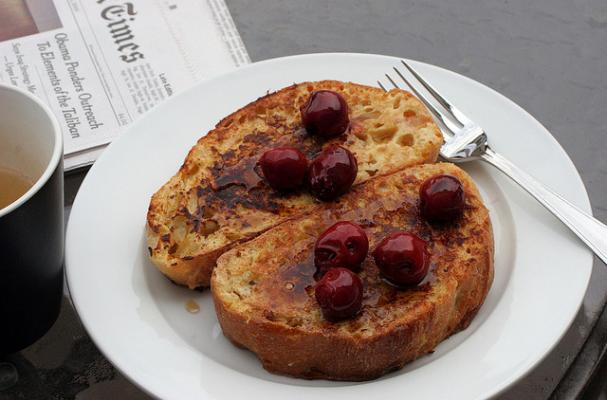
[(450, 117)]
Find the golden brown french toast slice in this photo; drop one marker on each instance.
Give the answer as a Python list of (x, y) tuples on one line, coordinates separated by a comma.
[(264, 289), (218, 199)]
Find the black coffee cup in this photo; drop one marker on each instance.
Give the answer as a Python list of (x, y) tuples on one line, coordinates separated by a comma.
[(31, 228)]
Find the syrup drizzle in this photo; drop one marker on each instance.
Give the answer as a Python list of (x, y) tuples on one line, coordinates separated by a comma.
[(246, 173), (242, 174), (192, 307)]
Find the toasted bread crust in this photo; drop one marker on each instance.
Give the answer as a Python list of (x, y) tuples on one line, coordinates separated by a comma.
[(278, 319), (218, 200)]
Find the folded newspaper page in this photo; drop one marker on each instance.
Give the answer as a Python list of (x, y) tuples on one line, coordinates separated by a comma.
[(100, 64)]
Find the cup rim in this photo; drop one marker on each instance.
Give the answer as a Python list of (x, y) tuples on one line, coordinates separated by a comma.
[(56, 156)]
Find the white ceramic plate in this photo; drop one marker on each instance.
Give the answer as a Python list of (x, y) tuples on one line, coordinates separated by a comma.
[(138, 318)]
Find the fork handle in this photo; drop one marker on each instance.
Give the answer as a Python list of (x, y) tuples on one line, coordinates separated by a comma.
[(590, 230)]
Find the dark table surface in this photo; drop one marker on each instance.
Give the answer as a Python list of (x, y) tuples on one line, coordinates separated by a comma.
[(549, 56)]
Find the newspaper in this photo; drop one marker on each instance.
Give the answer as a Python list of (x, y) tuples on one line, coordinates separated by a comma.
[(100, 64)]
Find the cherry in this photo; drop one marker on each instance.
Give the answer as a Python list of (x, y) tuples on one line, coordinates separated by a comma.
[(284, 168), (325, 114), (339, 294), (344, 244), (332, 172), (442, 198), (402, 258)]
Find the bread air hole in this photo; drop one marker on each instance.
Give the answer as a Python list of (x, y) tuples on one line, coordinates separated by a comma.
[(232, 236), (179, 228), (383, 187), (405, 140), (368, 115), (295, 322), (192, 202), (208, 212), (208, 227), (260, 111), (396, 103), (269, 315), (383, 134)]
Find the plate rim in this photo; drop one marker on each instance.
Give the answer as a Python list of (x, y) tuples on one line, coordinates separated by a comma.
[(167, 104)]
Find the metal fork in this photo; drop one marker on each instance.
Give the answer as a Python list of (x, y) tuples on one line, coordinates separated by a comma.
[(465, 140)]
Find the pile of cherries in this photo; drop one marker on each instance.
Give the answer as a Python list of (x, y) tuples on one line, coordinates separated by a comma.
[(402, 257), (333, 171)]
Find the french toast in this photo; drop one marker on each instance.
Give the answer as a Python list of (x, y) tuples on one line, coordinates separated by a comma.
[(263, 290), (218, 198)]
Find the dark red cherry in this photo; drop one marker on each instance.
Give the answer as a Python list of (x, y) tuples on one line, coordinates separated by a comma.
[(325, 114), (332, 172), (284, 168), (339, 294), (402, 258), (344, 244), (442, 198)]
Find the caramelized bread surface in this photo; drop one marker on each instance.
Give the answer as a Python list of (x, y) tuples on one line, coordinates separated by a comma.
[(264, 289), (218, 199)]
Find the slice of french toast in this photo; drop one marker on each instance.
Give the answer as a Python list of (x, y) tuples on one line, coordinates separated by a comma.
[(264, 289), (218, 199)]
